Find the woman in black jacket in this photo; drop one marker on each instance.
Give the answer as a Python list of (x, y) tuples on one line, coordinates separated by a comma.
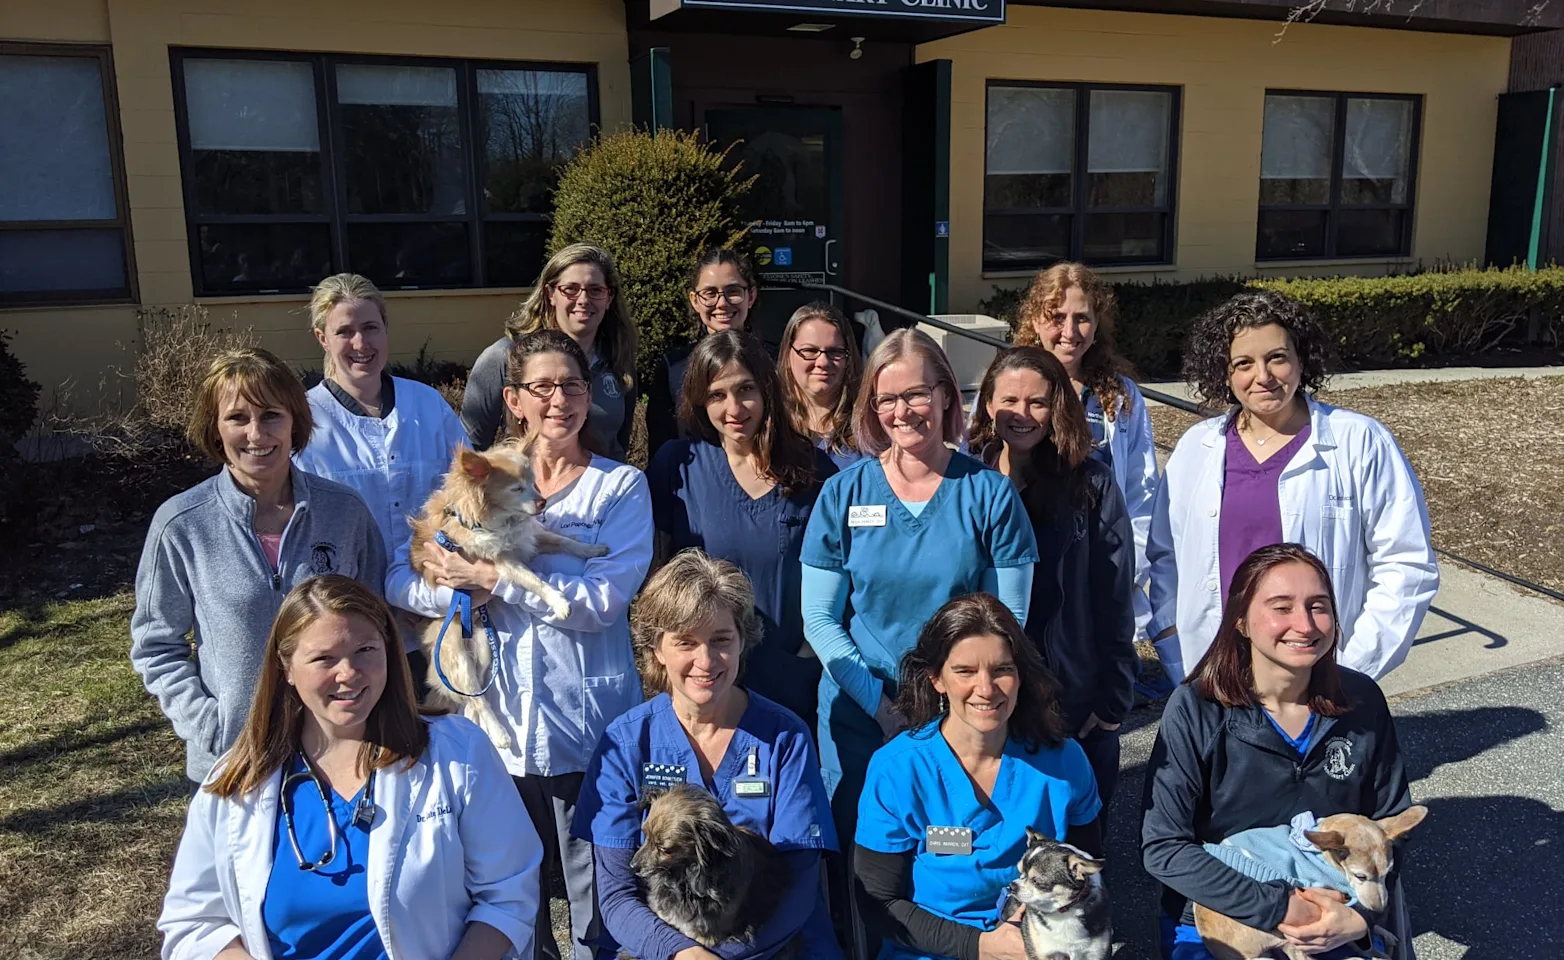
[(1266, 727), (1029, 424)]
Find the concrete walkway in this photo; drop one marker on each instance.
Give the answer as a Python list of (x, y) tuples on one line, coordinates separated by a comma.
[(1386, 378)]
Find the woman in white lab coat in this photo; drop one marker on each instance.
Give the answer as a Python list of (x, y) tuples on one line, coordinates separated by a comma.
[(1280, 466), (343, 823)]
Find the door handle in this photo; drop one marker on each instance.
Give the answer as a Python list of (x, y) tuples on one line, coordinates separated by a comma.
[(830, 265)]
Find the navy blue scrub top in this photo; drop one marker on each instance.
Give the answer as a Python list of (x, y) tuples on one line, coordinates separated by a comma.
[(322, 914), (697, 502)]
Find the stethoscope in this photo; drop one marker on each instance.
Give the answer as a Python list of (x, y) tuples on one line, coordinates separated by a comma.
[(363, 812)]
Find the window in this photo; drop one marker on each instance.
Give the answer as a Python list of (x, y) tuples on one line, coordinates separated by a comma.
[(1078, 172), (64, 236), (415, 173), (1336, 175)]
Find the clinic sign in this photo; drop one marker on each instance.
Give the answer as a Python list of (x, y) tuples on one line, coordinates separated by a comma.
[(968, 11)]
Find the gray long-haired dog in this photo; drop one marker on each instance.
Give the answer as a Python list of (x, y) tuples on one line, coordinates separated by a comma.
[(703, 876)]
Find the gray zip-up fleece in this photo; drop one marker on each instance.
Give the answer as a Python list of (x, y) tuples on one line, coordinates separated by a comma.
[(203, 573)]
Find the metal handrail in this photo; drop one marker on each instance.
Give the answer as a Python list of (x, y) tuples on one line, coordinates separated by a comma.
[(1178, 403)]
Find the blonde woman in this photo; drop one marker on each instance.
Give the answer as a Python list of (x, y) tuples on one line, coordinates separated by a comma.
[(820, 368), (579, 293), (342, 823), (899, 533), (1071, 312), (388, 438), (220, 557)]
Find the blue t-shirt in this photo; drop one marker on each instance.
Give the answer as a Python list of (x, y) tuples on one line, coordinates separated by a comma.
[(915, 782), (902, 567), (321, 914), (697, 502)]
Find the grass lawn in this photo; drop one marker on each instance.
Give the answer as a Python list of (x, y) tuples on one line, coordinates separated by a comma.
[(92, 799)]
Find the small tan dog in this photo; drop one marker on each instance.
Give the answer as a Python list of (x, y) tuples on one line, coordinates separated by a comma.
[(1361, 848), (488, 507)]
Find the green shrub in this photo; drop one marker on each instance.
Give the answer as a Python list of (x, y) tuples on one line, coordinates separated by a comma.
[(1372, 321), (18, 400), (654, 201)]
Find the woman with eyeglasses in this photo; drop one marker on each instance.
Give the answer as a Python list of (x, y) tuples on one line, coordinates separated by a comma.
[(722, 292), (819, 367), (343, 824), (559, 681), (579, 293), (898, 534), (740, 486)]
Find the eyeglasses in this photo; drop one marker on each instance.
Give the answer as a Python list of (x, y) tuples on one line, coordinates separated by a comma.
[(596, 293), (811, 353), (734, 295), (918, 398), (543, 389)]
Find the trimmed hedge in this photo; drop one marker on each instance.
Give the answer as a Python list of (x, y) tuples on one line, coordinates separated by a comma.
[(655, 202), (1373, 321)]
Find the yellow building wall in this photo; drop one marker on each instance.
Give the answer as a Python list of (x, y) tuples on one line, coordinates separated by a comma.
[(1224, 68), (81, 343)]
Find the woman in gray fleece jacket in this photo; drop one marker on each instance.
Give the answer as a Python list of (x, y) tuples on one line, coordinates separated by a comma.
[(220, 557)]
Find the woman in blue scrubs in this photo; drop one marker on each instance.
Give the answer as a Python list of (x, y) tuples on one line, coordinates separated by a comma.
[(694, 625), (985, 757), (740, 487), (898, 533), (820, 369)]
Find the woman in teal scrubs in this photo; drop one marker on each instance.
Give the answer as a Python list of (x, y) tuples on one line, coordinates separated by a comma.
[(985, 757)]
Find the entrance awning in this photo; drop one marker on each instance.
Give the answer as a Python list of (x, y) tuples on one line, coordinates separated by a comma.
[(907, 21)]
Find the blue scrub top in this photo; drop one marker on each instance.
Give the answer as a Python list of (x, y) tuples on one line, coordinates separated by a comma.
[(646, 747), (697, 502), (842, 459), (903, 568), (322, 914), (916, 782)]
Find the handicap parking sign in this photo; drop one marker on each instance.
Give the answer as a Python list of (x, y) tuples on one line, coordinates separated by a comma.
[(782, 256)]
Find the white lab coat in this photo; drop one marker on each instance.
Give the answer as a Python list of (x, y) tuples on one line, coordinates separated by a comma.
[(1348, 496), (451, 844), (1135, 469), (561, 682), (394, 463)]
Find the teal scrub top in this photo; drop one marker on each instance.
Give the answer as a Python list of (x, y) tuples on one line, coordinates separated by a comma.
[(902, 567), (915, 782)]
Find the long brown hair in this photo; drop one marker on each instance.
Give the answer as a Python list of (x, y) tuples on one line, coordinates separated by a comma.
[(1069, 440), (1102, 366), (782, 455), (841, 438), (1226, 673), (1036, 721), (616, 337), (394, 733)]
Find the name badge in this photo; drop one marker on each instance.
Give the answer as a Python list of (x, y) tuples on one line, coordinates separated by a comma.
[(661, 776), (751, 788), (871, 516), (956, 841)]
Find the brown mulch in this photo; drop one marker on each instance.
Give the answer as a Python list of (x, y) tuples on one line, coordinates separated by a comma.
[(1490, 456)]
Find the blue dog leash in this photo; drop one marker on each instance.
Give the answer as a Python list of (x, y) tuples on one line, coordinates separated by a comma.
[(461, 606)]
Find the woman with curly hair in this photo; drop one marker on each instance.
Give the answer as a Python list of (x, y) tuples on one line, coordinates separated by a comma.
[(1280, 466), (1070, 312)]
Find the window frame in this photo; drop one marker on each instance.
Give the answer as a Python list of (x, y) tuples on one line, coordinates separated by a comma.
[(333, 158), (1333, 207), (1080, 185), (130, 293)]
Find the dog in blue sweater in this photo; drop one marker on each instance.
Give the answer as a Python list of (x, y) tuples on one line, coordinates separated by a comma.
[(1345, 852)]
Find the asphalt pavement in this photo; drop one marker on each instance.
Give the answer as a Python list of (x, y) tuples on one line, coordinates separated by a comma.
[(1485, 871)]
